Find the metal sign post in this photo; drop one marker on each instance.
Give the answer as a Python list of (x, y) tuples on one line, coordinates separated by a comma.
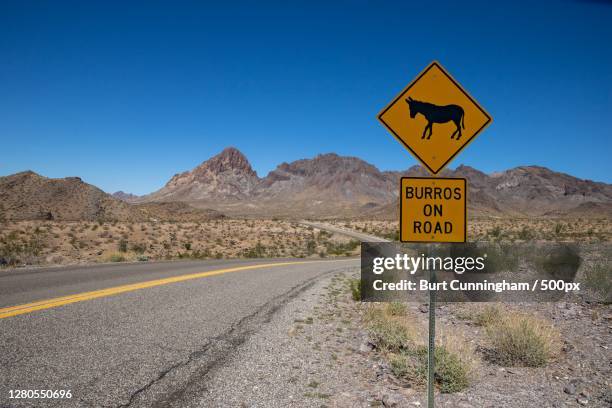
[(431, 350)]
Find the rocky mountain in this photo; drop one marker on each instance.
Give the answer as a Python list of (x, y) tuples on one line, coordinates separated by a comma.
[(535, 190), (29, 196), (127, 197), (329, 185), (532, 191), (226, 176), (325, 185), (346, 178)]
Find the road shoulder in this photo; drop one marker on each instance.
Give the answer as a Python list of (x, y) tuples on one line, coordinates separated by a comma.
[(307, 355)]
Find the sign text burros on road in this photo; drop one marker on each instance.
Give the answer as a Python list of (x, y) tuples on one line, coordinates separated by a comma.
[(433, 209)]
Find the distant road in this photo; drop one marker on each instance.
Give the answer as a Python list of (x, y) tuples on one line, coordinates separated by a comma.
[(123, 335), (344, 231)]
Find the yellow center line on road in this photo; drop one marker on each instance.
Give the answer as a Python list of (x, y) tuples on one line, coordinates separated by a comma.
[(80, 297)]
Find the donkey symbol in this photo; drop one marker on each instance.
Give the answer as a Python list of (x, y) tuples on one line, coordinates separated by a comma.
[(437, 114)]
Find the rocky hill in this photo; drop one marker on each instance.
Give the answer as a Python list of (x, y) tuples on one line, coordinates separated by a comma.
[(29, 196)]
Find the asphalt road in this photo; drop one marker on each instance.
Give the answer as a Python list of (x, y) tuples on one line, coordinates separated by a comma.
[(136, 334)]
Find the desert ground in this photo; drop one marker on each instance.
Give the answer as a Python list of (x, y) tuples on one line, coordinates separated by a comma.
[(507, 229), (62, 243), (339, 352)]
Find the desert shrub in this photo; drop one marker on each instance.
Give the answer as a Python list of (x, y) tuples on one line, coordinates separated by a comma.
[(598, 278), (559, 261), (15, 249), (116, 258), (389, 334), (395, 309), (451, 372), (522, 340), (187, 246), (500, 257), (34, 244), (122, 245), (323, 235), (258, 251), (355, 288), (488, 315), (525, 234), (10, 249), (405, 366), (495, 232), (139, 247), (311, 246), (73, 240), (393, 332), (391, 236), (341, 248), (204, 253)]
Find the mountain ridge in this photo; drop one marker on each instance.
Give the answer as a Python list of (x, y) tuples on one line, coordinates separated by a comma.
[(329, 185), (325, 186)]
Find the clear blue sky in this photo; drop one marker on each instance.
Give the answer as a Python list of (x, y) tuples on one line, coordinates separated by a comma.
[(125, 94)]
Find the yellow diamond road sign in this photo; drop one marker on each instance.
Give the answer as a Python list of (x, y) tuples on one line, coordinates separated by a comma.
[(434, 118)]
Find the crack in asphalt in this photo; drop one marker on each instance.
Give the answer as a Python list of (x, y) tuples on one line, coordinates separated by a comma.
[(219, 347), (160, 376)]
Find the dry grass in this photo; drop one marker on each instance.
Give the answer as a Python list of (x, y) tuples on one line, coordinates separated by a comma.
[(396, 309), (390, 334), (522, 340), (488, 315), (598, 279), (514, 338), (355, 288), (400, 337)]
